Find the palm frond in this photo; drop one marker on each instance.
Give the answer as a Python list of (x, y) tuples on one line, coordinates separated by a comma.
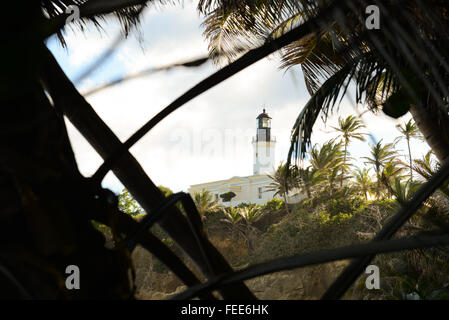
[(227, 35), (233, 27), (404, 190), (426, 166), (321, 101), (127, 12)]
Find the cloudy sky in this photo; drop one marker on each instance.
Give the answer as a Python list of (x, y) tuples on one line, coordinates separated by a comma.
[(209, 138)]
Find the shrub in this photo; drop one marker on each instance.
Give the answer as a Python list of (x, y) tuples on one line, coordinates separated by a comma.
[(250, 213), (242, 205), (342, 206), (340, 217), (273, 205)]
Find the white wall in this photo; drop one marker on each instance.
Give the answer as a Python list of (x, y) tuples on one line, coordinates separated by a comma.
[(263, 155), (245, 188)]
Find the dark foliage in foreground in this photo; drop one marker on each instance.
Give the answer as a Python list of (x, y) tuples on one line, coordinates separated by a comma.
[(48, 206)]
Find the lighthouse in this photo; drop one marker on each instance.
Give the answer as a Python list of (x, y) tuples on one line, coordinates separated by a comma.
[(255, 188), (263, 145)]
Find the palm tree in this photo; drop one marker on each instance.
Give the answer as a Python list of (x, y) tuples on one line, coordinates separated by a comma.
[(326, 156), (284, 180), (233, 215), (426, 168), (250, 213), (342, 51), (349, 129), (409, 130), (380, 156), (327, 161), (233, 218), (403, 190), (308, 178), (363, 181), (205, 203), (392, 170)]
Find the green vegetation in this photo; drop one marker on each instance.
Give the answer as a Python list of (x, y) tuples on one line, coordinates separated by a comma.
[(349, 130), (381, 156), (227, 197), (205, 203), (284, 180), (127, 204), (409, 130), (341, 209)]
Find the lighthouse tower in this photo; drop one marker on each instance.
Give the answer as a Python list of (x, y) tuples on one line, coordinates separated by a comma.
[(263, 145)]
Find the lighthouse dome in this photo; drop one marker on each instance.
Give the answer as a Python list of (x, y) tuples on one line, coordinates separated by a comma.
[(263, 115)]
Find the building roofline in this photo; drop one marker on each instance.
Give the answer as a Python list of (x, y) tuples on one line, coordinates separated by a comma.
[(225, 180)]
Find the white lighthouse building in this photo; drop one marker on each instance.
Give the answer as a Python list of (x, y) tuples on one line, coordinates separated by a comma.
[(250, 189), (263, 146)]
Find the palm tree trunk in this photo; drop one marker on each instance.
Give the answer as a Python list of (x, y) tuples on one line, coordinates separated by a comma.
[(434, 126), (344, 166), (410, 157), (378, 183), (286, 203)]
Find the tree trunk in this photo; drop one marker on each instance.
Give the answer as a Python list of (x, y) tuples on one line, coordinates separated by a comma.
[(344, 166), (286, 203), (434, 125), (378, 182), (410, 157)]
